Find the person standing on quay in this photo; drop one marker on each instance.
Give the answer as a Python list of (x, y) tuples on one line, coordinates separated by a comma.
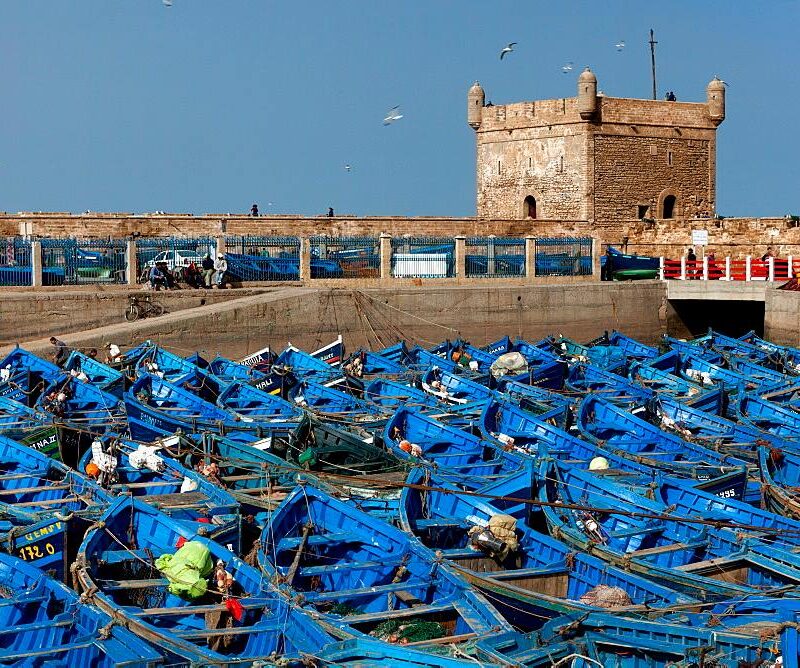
[(208, 270)]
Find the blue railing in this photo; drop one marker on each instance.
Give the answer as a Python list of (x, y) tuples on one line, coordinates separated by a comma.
[(257, 258), (494, 257), (345, 257), (565, 256), (83, 261), (15, 261), (175, 252), (423, 257)]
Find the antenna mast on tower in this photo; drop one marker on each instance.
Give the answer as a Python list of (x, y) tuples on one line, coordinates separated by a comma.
[(653, 60)]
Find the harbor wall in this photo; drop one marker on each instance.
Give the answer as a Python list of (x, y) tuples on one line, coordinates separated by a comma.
[(782, 317), (312, 317), (736, 237)]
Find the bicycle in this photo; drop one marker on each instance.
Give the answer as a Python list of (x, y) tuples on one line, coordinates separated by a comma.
[(142, 307)]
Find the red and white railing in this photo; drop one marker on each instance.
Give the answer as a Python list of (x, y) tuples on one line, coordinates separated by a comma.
[(729, 269)]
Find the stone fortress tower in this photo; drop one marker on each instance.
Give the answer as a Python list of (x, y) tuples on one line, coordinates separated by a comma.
[(594, 157)]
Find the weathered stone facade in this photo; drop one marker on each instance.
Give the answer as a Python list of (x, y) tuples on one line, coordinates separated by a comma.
[(596, 158)]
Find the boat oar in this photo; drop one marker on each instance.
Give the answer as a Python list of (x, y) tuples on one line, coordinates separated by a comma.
[(299, 554)]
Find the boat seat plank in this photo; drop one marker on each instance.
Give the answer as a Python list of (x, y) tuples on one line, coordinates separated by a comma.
[(336, 537), (449, 523), (116, 585), (399, 588), (351, 566), (117, 556), (255, 604), (199, 634), (27, 490), (672, 547), (394, 614), (636, 531)]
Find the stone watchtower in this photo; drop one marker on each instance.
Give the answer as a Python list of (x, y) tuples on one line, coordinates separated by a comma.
[(593, 157)]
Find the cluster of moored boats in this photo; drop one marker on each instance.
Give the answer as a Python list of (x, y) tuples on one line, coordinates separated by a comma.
[(541, 503)]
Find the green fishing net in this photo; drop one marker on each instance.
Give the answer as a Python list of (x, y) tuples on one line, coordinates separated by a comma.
[(407, 631)]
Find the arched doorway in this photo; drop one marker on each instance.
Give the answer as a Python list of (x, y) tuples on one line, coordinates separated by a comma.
[(669, 206), (529, 207)]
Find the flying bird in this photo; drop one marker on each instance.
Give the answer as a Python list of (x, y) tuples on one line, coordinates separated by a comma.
[(507, 49), (393, 115), (620, 45), (167, 3), (566, 69), (347, 168)]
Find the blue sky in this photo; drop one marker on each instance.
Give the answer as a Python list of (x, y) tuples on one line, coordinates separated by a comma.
[(209, 106)]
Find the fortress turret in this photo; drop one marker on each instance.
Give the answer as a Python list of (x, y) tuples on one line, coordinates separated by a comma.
[(475, 101), (715, 99), (587, 94)]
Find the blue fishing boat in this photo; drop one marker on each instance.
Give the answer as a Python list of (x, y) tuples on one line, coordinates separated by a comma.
[(43, 499), (608, 640), (529, 576), (770, 417), (452, 388), (694, 348), (419, 359), (761, 374), (80, 404), (711, 431), (359, 577), (390, 395), (450, 449), (509, 425), (253, 405), (614, 428), (100, 375), (465, 355), (337, 406), (634, 350), (712, 399), (372, 365), (535, 399), (589, 379), (26, 376), (644, 536), (179, 371), (610, 358), (361, 652), (152, 574), (233, 372), (152, 401), (304, 365), (44, 623), (780, 474), (788, 356), (152, 475)]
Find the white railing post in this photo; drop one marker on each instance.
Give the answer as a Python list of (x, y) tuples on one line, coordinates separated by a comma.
[(728, 268), (747, 268), (705, 268), (36, 264), (789, 267), (661, 268), (683, 268), (771, 269)]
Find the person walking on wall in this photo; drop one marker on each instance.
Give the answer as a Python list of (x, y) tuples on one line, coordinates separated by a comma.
[(254, 211), (691, 264)]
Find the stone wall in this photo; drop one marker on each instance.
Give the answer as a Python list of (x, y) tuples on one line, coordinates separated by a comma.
[(311, 317), (730, 236), (29, 314), (782, 317)]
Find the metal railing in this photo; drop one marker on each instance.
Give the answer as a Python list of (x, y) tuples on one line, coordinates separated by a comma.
[(567, 256), (257, 258), (711, 268), (175, 252), (15, 261), (423, 257), (494, 257), (83, 261), (345, 257)]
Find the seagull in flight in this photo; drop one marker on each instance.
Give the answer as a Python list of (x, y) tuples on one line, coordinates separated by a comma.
[(566, 69), (393, 115), (507, 49), (347, 168), (167, 3), (620, 45)]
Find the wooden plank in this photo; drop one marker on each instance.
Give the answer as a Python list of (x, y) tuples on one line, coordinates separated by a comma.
[(200, 609), (400, 588), (26, 490), (394, 614), (116, 585)]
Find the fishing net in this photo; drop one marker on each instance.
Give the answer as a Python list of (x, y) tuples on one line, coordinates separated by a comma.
[(343, 609), (603, 596), (412, 630)]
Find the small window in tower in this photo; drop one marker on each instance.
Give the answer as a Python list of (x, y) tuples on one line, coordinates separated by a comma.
[(561, 164), (530, 162), (642, 210), (498, 167), (669, 158), (653, 149)]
